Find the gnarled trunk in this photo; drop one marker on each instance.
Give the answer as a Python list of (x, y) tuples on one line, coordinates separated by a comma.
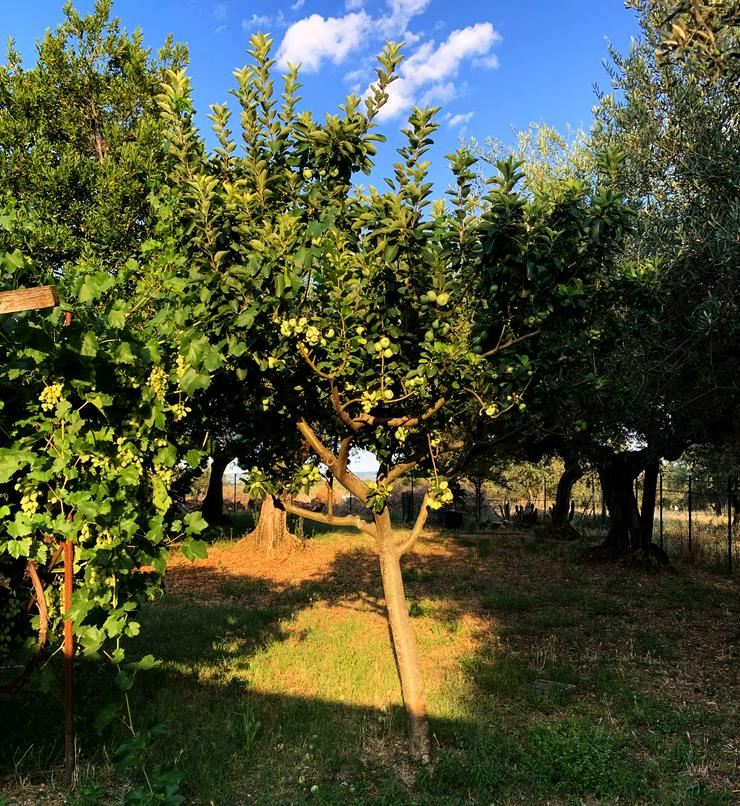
[(560, 514), (402, 638), (212, 507), (617, 476), (271, 529)]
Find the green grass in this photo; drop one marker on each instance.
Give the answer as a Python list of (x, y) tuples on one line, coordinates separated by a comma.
[(560, 690)]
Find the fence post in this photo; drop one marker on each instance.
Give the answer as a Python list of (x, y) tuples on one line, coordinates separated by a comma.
[(660, 477), (544, 498), (729, 523), (689, 514)]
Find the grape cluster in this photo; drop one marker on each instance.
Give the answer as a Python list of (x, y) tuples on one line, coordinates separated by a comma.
[(50, 396), (127, 455), (158, 382)]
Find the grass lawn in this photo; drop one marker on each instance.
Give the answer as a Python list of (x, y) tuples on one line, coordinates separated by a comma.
[(550, 680)]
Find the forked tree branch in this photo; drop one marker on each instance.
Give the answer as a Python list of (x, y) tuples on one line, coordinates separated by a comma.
[(500, 347), (354, 521), (421, 519), (337, 465), (406, 421)]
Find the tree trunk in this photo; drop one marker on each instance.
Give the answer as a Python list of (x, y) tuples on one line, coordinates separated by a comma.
[(617, 476), (647, 512), (212, 507), (271, 529), (560, 512), (478, 486), (402, 639)]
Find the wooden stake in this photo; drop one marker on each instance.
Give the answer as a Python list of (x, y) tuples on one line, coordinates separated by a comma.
[(69, 737), (28, 299)]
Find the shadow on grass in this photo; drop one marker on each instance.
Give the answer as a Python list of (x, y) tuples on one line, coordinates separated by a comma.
[(540, 724)]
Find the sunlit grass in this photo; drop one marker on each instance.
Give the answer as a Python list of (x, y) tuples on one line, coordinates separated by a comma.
[(548, 680)]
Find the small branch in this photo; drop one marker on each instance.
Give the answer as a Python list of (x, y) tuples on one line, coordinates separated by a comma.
[(330, 520), (403, 468), (343, 458), (398, 422), (421, 520), (499, 347), (307, 358), (341, 411)]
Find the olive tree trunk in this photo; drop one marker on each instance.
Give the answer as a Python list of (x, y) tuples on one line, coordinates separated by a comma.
[(560, 512), (212, 507), (617, 476), (647, 510), (271, 529)]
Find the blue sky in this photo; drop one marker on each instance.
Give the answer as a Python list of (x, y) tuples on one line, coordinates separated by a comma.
[(493, 65)]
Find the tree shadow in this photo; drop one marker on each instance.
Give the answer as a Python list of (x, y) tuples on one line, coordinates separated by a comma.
[(533, 698)]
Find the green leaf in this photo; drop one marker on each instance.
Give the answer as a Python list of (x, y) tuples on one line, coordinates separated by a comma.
[(114, 625), (145, 664), (124, 354), (11, 461), (195, 522), (124, 680), (193, 457), (94, 285), (193, 380), (195, 550), (117, 315), (91, 639), (18, 548), (89, 345)]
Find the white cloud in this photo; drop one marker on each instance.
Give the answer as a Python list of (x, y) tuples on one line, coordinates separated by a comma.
[(438, 94), (313, 39), (220, 11), (460, 120), (429, 72), (357, 79), (394, 24), (256, 21), (354, 5), (220, 29), (429, 64), (490, 61), (297, 5)]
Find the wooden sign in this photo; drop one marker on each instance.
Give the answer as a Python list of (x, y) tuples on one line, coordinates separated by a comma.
[(28, 299)]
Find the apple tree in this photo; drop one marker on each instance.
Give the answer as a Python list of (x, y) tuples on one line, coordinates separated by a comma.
[(359, 317)]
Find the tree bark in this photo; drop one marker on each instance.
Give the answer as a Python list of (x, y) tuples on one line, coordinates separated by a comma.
[(212, 507), (560, 512), (271, 529), (617, 476), (647, 512), (402, 639)]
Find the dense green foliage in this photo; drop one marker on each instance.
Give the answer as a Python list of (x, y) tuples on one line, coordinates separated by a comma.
[(378, 317), (90, 395)]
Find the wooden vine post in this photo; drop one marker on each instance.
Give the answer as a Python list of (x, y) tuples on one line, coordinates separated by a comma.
[(28, 299), (33, 299)]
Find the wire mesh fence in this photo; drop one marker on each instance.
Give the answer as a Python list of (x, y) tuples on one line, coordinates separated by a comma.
[(692, 524)]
